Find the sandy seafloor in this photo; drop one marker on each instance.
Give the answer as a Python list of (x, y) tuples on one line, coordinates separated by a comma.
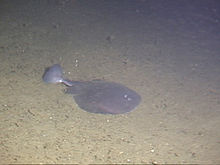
[(168, 51)]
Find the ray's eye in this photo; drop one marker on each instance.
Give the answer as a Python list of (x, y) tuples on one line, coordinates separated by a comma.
[(127, 98)]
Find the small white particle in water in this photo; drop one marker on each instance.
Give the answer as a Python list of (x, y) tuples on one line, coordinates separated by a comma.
[(154, 162), (166, 144), (152, 150), (125, 96), (50, 117), (76, 63)]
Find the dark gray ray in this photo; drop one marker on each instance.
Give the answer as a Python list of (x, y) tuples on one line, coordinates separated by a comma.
[(104, 97), (96, 96)]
